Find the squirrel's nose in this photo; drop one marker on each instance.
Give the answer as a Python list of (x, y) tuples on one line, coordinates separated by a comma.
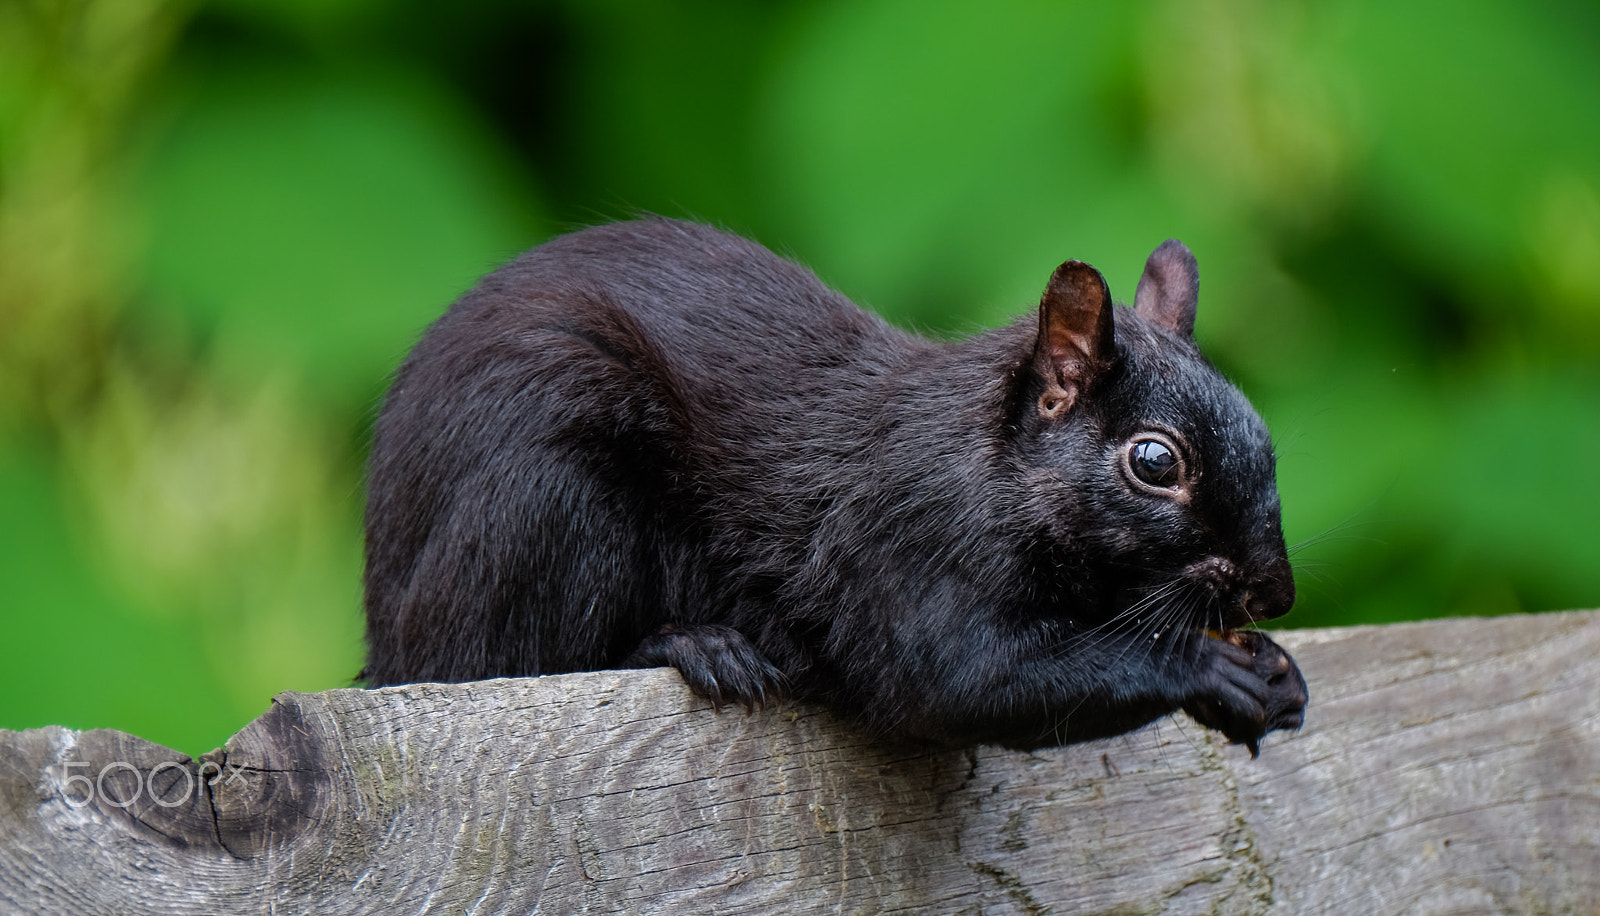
[(1271, 594)]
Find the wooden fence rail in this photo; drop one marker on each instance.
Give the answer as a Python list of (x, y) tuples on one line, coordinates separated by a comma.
[(1445, 767)]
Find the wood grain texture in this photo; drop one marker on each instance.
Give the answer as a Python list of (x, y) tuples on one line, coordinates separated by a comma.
[(1446, 767)]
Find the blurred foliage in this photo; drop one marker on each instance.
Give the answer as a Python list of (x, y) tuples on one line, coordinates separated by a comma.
[(222, 223)]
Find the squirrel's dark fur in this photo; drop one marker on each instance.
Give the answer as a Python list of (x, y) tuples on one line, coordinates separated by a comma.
[(655, 443)]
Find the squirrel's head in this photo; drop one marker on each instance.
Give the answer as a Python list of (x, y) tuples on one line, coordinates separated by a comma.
[(1156, 469)]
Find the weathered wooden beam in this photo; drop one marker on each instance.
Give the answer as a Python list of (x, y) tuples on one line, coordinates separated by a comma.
[(1445, 767)]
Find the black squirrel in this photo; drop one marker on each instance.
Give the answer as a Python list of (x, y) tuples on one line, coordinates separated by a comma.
[(656, 443)]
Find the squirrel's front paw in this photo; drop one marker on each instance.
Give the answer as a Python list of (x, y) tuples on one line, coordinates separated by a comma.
[(717, 663), (1247, 686)]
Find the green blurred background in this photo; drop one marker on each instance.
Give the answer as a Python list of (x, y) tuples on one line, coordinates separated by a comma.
[(223, 223)]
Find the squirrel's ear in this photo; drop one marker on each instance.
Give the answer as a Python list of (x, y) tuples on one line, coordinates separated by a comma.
[(1170, 288), (1075, 334)]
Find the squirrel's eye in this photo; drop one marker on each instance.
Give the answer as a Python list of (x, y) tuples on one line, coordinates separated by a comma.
[(1154, 463)]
